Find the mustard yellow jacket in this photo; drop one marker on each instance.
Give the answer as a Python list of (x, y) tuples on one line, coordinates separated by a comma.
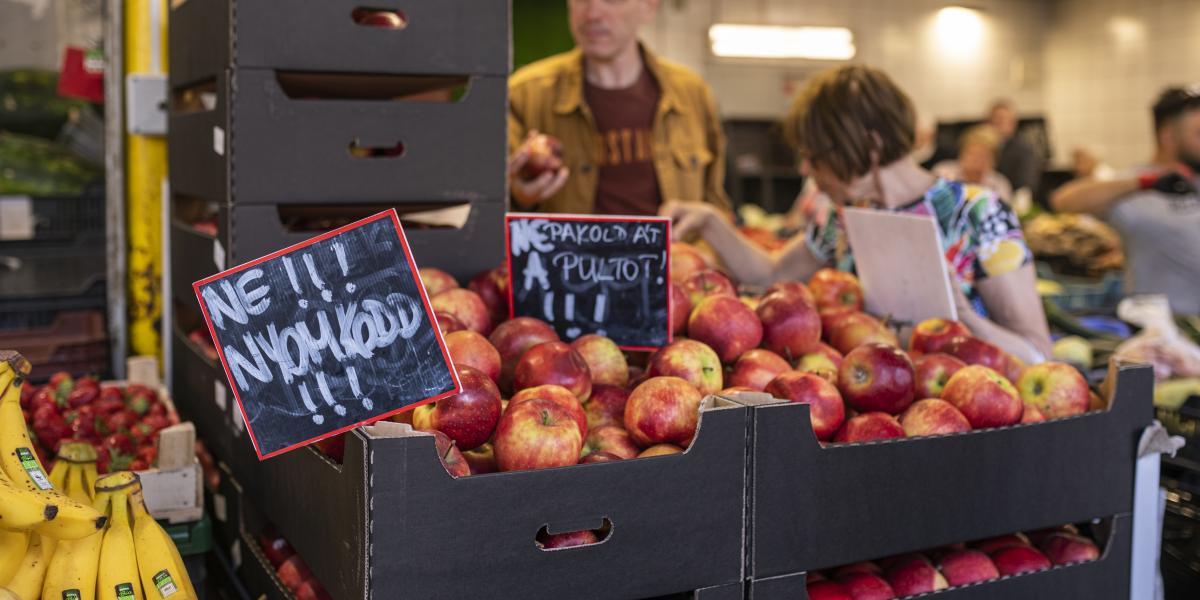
[(687, 141)]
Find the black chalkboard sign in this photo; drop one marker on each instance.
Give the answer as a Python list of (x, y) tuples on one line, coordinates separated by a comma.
[(327, 335), (586, 274)]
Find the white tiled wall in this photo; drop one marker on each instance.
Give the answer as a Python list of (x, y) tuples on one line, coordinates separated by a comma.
[(1106, 61)]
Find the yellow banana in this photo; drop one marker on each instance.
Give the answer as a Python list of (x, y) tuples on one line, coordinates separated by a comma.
[(27, 583), (80, 457), (159, 562), (72, 571), (90, 475), (118, 578), (12, 548), (58, 474), (77, 485), (18, 460), (22, 509)]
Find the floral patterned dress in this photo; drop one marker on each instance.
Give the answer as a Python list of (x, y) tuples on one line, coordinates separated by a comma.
[(981, 236)]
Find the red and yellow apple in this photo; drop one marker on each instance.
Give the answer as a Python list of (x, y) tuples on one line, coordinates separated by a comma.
[(1014, 560), (831, 288), (606, 406), (931, 334), (536, 434), (447, 323), (681, 308), (692, 361), (612, 439), (660, 450), (559, 395), (726, 325), (566, 540), (709, 282), (470, 416), (436, 280), (686, 260), (932, 416), (1064, 548), (966, 567), (826, 410), (975, 351), (933, 371), (1056, 389), (481, 460), (1031, 414), (792, 287), (467, 307), (877, 377), (756, 368), (915, 576), (554, 363), (867, 586), (604, 359), (543, 155), (869, 427), (512, 338), (855, 329), (791, 326), (450, 456), (473, 350), (984, 397), (663, 410), (492, 287)]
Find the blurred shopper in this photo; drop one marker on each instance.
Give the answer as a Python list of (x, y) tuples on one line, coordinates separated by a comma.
[(1086, 165), (854, 129), (1156, 208), (1017, 160), (976, 162), (635, 129)]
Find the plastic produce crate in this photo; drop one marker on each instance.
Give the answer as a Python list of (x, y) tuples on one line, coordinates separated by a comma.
[(55, 220), (73, 341)]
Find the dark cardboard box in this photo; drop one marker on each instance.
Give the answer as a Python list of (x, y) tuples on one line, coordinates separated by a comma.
[(1105, 579), (441, 37), (202, 395), (390, 523), (258, 144), (813, 507)]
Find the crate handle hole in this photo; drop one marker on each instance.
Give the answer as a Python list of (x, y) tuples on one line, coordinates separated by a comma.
[(380, 18), (572, 538), (358, 150)]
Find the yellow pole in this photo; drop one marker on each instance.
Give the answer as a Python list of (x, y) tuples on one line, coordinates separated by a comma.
[(146, 172)]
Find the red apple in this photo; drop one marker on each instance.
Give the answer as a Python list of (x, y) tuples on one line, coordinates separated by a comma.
[(975, 351), (691, 361), (1014, 560), (492, 287), (559, 395), (877, 377), (1041, 535), (756, 368), (1031, 414), (686, 260), (544, 155), (467, 307), (604, 359), (709, 282), (812, 576), (536, 434), (869, 427), (334, 447), (599, 457), (436, 280), (729, 327), (276, 549), (293, 573), (791, 326), (826, 409), (827, 590), (681, 308), (606, 406), (470, 416), (830, 316), (554, 363), (422, 417), (451, 457), (931, 334), (966, 567), (1056, 389), (612, 439), (855, 329), (513, 338), (737, 389), (991, 545), (481, 460), (867, 586), (1064, 548), (794, 288), (566, 540), (660, 450), (447, 323), (984, 396), (386, 19), (933, 371), (833, 288), (865, 566), (915, 576), (932, 416), (473, 350), (663, 410)]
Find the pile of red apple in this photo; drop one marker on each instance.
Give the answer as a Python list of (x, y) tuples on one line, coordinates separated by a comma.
[(290, 568), (952, 566)]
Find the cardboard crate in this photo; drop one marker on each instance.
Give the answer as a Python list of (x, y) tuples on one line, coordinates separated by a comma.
[(1107, 578), (391, 523), (249, 140), (203, 397), (440, 37), (814, 507)]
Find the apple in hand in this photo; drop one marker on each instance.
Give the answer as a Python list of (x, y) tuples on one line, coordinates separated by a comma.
[(492, 287), (1014, 560), (931, 334), (1064, 548), (606, 406), (726, 325), (512, 338), (451, 457), (975, 351), (984, 397), (867, 586), (470, 416), (1056, 389), (436, 280), (692, 361), (709, 282), (604, 358), (544, 155), (833, 288), (554, 363), (663, 410), (473, 350), (681, 308), (915, 576), (467, 307), (826, 409), (855, 329), (967, 566), (869, 427), (566, 540), (536, 434), (933, 371), (877, 377), (932, 416), (791, 326), (756, 368), (612, 439), (560, 396)]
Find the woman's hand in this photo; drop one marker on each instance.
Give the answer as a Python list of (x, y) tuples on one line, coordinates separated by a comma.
[(688, 219)]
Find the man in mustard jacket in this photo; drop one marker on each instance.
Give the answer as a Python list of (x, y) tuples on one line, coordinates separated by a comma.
[(636, 130)]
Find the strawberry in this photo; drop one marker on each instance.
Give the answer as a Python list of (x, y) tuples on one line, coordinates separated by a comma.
[(156, 422), (138, 464), (158, 409), (62, 384), (135, 389), (113, 393), (44, 397), (81, 395), (120, 421), (58, 378), (119, 443), (148, 454), (83, 423), (141, 432), (88, 381), (27, 393), (140, 403), (50, 432), (107, 406), (103, 459)]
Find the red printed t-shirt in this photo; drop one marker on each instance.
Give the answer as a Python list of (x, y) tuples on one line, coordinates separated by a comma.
[(627, 183)]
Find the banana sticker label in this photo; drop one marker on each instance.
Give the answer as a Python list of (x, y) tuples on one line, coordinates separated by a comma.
[(30, 464), (71, 595), (165, 584), (125, 591)]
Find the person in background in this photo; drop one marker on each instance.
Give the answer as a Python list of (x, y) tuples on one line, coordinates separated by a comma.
[(854, 131), (1017, 161), (976, 162), (1155, 208), (1085, 165), (635, 129)]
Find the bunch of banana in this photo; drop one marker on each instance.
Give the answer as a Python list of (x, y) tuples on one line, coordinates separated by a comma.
[(74, 473)]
